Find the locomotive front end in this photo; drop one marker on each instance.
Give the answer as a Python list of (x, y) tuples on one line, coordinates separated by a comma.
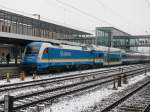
[(30, 57)]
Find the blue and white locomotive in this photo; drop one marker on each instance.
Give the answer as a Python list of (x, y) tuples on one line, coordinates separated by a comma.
[(43, 56)]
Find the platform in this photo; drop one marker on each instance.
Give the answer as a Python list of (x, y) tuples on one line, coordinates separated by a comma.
[(11, 69)]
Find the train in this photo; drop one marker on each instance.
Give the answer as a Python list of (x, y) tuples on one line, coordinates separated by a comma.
[(46, 57)]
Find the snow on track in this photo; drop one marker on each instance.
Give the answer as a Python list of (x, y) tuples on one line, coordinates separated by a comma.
[(88, 100)]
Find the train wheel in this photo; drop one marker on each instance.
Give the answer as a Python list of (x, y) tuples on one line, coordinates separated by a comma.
[(83, 67)]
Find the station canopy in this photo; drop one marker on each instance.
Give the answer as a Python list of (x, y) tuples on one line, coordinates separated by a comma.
[(13, 38)]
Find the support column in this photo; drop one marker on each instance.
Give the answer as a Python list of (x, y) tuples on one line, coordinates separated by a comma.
[(125, 81), (8, 103), (119, 81), (16, 55), (114, 85)]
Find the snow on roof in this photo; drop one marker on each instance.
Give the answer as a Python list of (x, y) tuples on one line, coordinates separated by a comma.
[(103, 48), (79, 46), (135, 54), (88, 47), (71, 47)]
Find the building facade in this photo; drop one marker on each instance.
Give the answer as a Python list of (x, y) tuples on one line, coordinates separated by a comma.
[(19, 24), (113, 37), (105, 35)]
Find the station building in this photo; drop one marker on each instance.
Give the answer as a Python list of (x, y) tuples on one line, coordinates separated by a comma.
[(113, 37), (19, 24), (105, 35)]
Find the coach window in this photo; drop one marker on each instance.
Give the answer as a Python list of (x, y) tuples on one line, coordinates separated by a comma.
[(100, 55), (46, 50)]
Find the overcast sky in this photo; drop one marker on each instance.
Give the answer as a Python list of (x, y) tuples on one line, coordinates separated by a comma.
[(131, 16)]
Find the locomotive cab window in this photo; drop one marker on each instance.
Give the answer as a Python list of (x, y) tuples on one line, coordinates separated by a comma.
[(45, 50), (100, 55), (32, 49)]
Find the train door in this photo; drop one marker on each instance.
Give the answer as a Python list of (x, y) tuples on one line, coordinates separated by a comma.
[(98, 59), (105, 58), (46, 56)]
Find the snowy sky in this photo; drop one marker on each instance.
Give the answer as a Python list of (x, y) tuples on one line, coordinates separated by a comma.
[(131, 16)]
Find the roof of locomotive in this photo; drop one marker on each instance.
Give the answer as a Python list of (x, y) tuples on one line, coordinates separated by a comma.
[(81, 47), (106, 49)]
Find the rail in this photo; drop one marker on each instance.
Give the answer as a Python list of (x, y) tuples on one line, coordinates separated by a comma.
[(118, 102), (71, 89)]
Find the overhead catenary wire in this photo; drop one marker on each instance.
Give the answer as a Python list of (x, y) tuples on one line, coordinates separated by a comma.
[(78, 14), (112, 11), (83, 12), (86, 13), (66, 24)]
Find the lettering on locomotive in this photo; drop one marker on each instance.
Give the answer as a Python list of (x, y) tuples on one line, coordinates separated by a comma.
[(64, 53)]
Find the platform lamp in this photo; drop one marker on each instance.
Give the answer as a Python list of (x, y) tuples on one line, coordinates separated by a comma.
[(37, 15), (39, 18)]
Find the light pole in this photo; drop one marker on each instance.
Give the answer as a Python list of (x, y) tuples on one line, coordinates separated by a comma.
[(37, 15), (39, 27)]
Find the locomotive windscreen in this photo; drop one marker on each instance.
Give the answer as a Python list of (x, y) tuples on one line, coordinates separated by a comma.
[(32, 48)]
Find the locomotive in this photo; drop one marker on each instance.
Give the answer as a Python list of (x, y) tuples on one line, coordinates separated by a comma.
[(44, 57)]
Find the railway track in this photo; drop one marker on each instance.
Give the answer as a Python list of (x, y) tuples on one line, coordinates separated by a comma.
[(14, 70), (33, 98), (94, 74), (51, 83), (137, 100)]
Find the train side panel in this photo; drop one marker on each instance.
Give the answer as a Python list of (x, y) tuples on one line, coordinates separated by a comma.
[(55, 57), (112, 58)]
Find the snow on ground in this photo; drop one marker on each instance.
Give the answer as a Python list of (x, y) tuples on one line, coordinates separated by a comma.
[(17, 80), (83, 102), (79, 103), (29, 78)]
